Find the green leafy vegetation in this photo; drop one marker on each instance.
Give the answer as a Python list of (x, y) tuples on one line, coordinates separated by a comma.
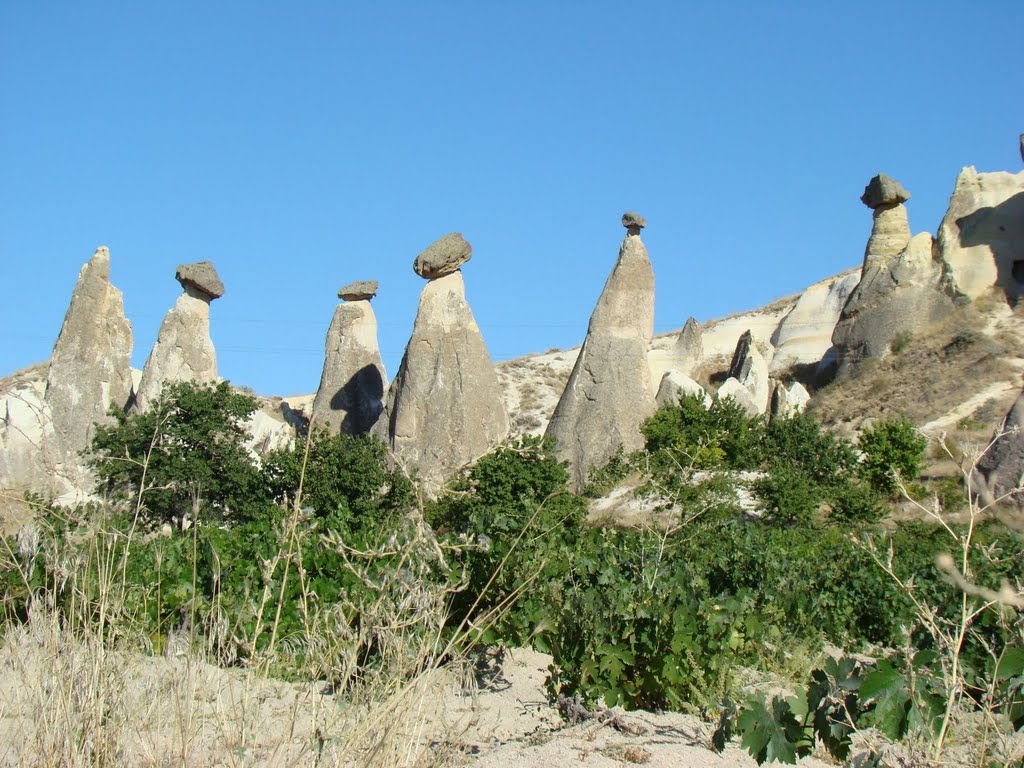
[(317, 561)]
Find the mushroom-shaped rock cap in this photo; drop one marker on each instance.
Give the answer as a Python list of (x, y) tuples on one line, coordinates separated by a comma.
[(883, 190), (361, 290), (443, 257), (634, 222), (202, 276)]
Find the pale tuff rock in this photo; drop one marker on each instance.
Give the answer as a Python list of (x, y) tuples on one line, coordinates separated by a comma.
[(805, 334), (892, 300), (443, 257), (890, 229), (444, 409), (687, 353), (738, 392), (609, 391), (30, 456), (675, 383), (1000, 472), (789, 401), (202, 276), (361, 290), (981, 238), (352, 384), (184, 350), (90, 364), (750, 369)]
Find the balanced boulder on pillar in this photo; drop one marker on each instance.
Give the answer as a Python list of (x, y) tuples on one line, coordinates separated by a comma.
[(444, 408), (609, 392), (349, 399), (184, 350)]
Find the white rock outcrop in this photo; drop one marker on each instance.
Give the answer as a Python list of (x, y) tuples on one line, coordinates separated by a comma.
[(184, 350), (981, 238), (444, 408), (805, 334), (675, 383), (609, 392), (733, 388), (750, 368)]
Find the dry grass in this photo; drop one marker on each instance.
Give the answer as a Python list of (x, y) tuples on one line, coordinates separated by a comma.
[(79, 686), (929, 378)]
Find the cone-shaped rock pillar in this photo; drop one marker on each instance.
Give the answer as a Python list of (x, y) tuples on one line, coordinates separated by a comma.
[(444, 408), (90, 365), (349, 399), (184, 350), (609, 392)]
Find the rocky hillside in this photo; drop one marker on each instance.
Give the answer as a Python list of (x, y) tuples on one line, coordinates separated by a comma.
[(926, 326)]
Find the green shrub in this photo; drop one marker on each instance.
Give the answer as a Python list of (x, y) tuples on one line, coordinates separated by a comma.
[(689, 434), (788, 494), (891, 446), (516, 520), (348, 480), (188, 449)]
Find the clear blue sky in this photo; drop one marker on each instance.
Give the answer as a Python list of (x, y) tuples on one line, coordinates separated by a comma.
[(300, 146)]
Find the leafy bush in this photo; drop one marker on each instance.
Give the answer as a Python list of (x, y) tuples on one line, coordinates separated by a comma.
[(788, 493), (347, 481), (891, 445), (188, 449), (689, 434), (517, 521)]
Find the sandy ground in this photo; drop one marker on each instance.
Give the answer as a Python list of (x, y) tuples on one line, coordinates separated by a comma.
[(511, 724)]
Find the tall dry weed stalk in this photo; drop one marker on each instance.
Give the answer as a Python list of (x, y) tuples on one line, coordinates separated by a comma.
[(81, 687), (950, 632)]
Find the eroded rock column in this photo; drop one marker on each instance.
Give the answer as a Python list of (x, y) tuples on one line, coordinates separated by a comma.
[(184, 350), (609, 392), (444, 408), (349, 399), (90, 367)]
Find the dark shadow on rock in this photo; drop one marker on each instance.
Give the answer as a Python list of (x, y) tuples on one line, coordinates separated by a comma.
[(1001, 228), (360, 399)]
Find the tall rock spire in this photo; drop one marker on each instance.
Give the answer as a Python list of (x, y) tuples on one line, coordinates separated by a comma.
[(352, 384), (890, 229), (609, 392), (183, 349), (444, 407), (90, 364)]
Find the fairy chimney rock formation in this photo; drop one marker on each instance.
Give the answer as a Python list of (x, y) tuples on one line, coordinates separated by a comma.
[(688, 351), (349, 399), (90, 364), (183, 349), (443, 257), (609, 392), (890, 229), (444, 408)]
